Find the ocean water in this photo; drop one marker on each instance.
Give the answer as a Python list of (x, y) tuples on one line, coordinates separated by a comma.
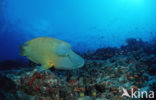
[(86, 25), (116, 39)]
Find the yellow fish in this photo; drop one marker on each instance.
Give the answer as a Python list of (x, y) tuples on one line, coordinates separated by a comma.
[(50, 52)]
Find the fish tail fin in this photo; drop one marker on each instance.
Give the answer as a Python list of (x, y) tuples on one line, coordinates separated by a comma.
[(22, 50)]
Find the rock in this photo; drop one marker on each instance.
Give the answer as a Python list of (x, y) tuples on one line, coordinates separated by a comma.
[(105, 76), (24, 96), (152, 69), (85, 98)]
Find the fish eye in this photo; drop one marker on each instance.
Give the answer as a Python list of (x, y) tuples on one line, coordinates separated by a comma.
[(62, 50)]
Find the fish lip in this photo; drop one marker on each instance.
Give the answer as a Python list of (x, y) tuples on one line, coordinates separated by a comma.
[(73, 61), (80, 64)]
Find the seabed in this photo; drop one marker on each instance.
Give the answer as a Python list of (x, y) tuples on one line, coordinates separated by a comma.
[(103, 76)]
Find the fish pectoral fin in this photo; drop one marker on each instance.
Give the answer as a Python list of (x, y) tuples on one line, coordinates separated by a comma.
[(47, 66), (43, 67)]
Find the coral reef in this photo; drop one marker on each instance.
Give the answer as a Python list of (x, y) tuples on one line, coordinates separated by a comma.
[(100, 79)]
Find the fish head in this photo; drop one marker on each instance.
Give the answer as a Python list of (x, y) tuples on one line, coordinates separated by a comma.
[(67, 59)]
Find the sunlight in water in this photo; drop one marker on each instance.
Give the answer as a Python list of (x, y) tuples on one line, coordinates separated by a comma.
[(133, 2)]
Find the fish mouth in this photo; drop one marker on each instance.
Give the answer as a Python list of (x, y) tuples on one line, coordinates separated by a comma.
[(69, 62), (76, 60)]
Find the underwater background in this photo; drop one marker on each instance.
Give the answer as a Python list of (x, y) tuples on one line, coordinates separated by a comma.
[(116, 38), (86, 25)]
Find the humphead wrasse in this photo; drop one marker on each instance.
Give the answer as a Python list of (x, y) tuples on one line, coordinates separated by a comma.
[(50, 52)]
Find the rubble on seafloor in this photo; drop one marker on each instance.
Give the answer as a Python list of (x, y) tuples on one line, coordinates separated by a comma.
[(97, 80)]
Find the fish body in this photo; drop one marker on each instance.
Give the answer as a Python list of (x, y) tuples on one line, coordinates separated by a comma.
[(50, 52)]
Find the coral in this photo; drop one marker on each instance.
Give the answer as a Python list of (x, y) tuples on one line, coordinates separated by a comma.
[(97, 80)]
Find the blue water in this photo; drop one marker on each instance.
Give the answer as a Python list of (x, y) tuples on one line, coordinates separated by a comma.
[(85, 24)]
